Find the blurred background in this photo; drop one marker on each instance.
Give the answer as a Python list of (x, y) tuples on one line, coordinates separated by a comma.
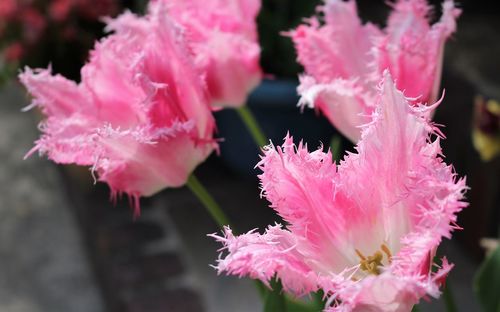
[(65, 247)]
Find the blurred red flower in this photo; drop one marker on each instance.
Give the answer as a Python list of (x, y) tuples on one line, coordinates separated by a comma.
[(13, 52)]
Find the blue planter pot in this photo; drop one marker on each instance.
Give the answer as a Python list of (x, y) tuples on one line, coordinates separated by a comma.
[(274, 105)]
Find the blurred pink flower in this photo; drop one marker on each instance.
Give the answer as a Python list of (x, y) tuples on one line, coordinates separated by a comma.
[(140, 117), (223, 37), (345, 59), (33, 24), (365, 231)]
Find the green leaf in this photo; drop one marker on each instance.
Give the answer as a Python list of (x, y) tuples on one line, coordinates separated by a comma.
[(296, 305), (487, 283), (315, 304), (275, 300)]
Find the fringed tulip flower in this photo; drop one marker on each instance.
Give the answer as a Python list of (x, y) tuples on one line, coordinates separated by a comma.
[(344, 59), (224, 41), (140, 117), (365, 231)]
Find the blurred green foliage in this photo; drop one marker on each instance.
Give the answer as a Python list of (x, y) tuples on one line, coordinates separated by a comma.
[(276, 17), (61, 36), (487, 282)]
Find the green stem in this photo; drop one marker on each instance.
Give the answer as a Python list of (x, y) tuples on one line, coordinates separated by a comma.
[(217, 215), (207, 200), (335, 147), (261, 289), (252, 125), (448, 299)]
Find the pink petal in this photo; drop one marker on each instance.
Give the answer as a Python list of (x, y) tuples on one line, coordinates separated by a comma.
[(340, 87), (141, 161), (276, 252), (392, 293), (384, 293), (413, 50), (322, 49), (68, 140), (167, 63), (56, 95), (110, 82), (341, 101), (231, 64)]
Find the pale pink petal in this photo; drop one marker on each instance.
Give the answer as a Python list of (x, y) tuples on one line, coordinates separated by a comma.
[(231, 65), (236, 16), (68, 132), (338, 86), (140, 161), (383, 293), (440, 33), (68, 140), (413, 49), (109, 79), (409, 172), (391, 293), (128, 23), (416, 190), (289, 173), (274, 253), (56, 95), (341, 101), (322, 49), (166, 63)]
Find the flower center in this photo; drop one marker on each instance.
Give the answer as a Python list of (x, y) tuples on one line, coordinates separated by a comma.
[(372, 264)]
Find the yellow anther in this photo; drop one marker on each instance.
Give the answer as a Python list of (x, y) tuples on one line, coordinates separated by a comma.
[(372, 264)]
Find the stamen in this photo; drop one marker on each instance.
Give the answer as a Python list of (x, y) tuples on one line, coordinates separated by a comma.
[(387, 251), (360, 254), (372, 264)]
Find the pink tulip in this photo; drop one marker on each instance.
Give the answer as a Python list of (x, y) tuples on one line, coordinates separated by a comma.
[(364, 231), (140, 117), (223, 37), (344, 59)]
